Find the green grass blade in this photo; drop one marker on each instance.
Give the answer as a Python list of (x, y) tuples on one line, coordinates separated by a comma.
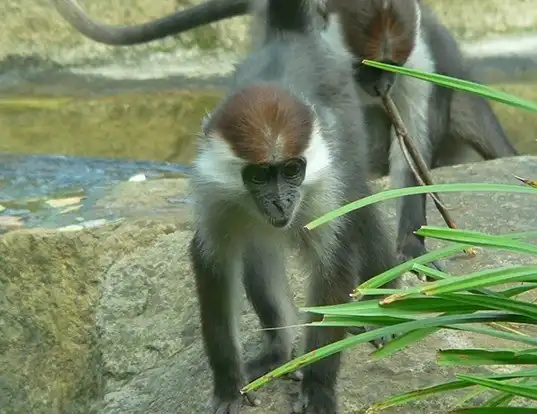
[(527, 351), (404, 398), (339, 346), (484, 278), (503, 399), (483, 357), (477, 239), (525, 391), (395, 193), (438, 275), (500, 400), (517, 290), (401, 342), (497, 303), (459, 84), (523, 339), (495, 410), (398, 270)]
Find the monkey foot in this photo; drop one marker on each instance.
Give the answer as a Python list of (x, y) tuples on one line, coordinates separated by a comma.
[(316, 403), (233, 405), (413, 248)]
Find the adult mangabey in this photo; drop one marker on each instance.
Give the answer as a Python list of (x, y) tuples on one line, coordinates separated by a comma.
[(286, 145), (442, 122), (404, 32)]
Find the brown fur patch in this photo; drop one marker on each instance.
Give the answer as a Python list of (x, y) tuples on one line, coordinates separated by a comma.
[(375, 32), (263, 123)]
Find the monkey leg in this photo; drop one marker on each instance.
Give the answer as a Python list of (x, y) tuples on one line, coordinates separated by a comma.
[(378, 256), (474, 122), (411, 210), (216, 290), (329, 285), (266, 286)]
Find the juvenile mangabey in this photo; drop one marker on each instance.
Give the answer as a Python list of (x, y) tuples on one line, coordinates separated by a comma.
[(442, 122), (286, 145)]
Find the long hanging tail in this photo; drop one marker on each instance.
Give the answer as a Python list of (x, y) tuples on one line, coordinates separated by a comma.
[(289, 15), (178, 22)]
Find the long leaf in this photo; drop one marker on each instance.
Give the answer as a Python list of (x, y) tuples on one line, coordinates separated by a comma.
[(367, 336), (400, 192), (477, 239), (406, 397), (489, 277), (495, 410), (503, 399), (516, 337), (429, 257), (517, 290), (516, 389), (398, 270), (459, 84), (483, 357), (498, 303)]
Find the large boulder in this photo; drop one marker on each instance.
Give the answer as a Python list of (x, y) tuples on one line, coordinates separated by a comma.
[(106, 320)]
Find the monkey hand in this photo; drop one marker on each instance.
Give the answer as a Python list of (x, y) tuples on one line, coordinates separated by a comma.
[(315, 399), (233, 404), (412, 247), (377, 342)]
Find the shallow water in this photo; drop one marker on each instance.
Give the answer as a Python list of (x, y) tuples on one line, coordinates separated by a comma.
[(27, 182), (107, 130)]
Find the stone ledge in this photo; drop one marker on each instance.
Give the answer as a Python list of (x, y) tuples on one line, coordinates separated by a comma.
[(105, 320)]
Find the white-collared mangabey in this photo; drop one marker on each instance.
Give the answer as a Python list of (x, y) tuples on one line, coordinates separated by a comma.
[(287, 144), (443, 122)]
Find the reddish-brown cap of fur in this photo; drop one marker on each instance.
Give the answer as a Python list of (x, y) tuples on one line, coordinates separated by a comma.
[(378, 29), (263, 123)]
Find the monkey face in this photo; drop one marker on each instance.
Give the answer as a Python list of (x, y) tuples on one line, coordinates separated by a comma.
[(375, 82), (276, 189)]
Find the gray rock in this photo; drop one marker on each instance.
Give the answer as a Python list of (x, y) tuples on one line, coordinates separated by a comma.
[(135, 342)]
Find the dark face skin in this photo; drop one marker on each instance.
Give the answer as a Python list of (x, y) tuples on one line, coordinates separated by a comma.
[(375, 82), (275, 188)]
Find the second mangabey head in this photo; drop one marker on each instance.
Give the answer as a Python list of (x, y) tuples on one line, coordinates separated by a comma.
[(381, 30)]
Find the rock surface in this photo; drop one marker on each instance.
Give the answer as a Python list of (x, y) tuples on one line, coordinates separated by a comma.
[(105, 320)]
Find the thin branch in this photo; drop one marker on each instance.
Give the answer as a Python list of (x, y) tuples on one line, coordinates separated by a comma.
[(415, 161)]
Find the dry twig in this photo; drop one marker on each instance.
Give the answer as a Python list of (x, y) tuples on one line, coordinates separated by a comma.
[(415, 161)]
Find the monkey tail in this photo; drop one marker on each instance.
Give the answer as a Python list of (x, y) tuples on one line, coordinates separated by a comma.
[(289, 15), (174, 23)]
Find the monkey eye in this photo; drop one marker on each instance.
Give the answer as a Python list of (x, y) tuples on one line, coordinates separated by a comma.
[(257, 174), (293, 167)]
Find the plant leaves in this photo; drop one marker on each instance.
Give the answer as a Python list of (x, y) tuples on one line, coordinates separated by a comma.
[(459, 84), (406, 397), (484, 357), (475, 238), (516, 389), (423, 189)]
